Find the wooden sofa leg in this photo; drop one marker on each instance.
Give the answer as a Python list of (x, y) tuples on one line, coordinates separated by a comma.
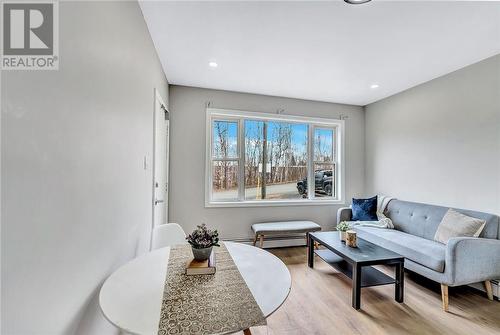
[(247, 331), (255, 240), (261, 241), (444, 296), (489, 290)]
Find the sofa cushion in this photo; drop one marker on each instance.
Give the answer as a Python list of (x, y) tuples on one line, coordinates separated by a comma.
[(285, 227), (425, 252), (364, 209), (455, 224)]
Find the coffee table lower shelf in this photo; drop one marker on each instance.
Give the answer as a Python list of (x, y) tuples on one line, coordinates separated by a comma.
[(369, 276)]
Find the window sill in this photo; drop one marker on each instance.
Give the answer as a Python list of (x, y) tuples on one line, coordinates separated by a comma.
[(273, 203)]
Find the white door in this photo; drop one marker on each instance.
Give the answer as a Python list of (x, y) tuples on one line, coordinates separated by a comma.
[(160, 173)]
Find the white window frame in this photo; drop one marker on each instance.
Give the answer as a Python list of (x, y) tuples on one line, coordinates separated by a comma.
[(213, 114)]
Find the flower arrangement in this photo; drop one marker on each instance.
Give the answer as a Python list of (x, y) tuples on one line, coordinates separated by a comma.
[(202, 237), (342, 227)]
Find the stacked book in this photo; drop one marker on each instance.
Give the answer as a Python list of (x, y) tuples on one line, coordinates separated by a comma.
[(206, 267)]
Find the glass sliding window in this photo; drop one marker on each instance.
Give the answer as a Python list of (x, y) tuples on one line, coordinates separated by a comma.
[(324, 162), (275, 160), (256, 159), (225, 163)]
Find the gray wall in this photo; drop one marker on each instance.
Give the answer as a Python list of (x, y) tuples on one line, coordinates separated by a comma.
[(187, 165), (76, 201), (439, 142)]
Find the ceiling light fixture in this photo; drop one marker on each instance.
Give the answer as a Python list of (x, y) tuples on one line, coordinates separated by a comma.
[(356, 2), (213, 64), (374, 86)]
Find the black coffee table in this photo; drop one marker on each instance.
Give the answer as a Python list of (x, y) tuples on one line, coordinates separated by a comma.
[(355, 263)]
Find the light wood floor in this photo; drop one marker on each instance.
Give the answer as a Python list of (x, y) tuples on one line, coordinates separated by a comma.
[(320, 303)]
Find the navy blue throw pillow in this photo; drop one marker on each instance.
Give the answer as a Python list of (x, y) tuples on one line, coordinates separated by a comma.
[(364, 209)]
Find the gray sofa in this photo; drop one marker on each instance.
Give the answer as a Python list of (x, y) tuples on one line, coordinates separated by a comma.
[(464, 260)]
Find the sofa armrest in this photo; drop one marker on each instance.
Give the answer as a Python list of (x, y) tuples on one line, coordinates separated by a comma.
[(344, 214), (471, 260)]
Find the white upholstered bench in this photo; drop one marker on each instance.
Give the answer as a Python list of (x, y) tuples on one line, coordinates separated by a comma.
[(282, 228)]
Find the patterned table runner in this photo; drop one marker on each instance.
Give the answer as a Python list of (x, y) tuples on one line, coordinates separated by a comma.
[(206, 304)]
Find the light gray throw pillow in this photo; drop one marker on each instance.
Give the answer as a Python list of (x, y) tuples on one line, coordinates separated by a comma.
[(455, 224)]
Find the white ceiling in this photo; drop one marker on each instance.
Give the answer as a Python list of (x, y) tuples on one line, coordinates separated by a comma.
[(326, 51)]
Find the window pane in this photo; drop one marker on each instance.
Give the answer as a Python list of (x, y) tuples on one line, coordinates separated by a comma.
[(225, 137), (224, 180), (323, 145), (254, 141), (324, 180), (281, 172)]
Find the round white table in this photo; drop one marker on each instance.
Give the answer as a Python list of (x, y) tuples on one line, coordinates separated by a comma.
[(131, 297)]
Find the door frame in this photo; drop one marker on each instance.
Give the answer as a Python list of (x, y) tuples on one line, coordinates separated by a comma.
[(158, 99)]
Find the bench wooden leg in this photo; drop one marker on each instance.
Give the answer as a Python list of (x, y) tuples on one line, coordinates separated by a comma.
[(444, 297), (261, 241), (247, 331), (255, 240), (489, 290)]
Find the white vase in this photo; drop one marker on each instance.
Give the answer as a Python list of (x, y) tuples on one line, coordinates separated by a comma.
[(342, 235)]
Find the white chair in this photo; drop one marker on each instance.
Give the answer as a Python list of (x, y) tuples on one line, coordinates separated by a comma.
[(167, 235)]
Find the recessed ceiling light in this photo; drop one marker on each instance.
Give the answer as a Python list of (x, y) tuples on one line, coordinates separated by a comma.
[(374, 86), (212, 64), (357, 2)]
